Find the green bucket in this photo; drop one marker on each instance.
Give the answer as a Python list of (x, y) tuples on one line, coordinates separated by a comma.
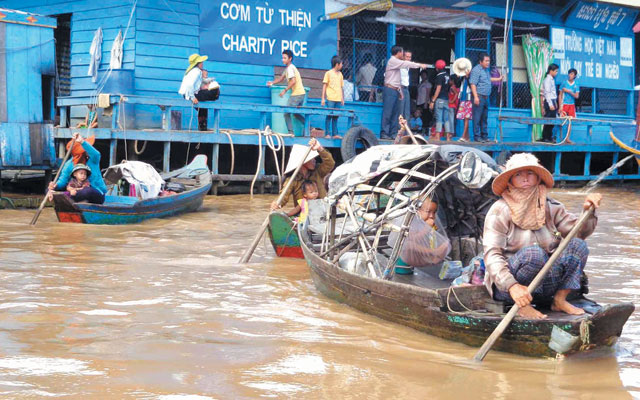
[(402, 268)]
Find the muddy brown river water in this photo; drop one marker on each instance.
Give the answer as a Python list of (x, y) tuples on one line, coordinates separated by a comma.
[(162, 310)]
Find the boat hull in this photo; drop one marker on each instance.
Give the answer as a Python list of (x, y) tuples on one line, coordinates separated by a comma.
[(116, 213), (284, 236), (426, 310)]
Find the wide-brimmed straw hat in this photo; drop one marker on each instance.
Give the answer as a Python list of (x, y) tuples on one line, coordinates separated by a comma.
[(78, 151), (295, 158), (78, 167), (519, 162), (194, 59)]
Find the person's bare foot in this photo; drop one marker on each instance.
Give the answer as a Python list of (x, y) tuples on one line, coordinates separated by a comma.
[(565, 306), (529, 312)]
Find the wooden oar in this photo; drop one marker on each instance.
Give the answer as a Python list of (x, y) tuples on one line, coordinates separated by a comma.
[(534, 284), (55, 180), (247, 254)]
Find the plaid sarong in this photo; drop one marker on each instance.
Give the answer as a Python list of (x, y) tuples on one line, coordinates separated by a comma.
[(564, 274)]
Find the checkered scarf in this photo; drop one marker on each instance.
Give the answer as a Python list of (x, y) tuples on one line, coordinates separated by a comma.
[(527, 206)]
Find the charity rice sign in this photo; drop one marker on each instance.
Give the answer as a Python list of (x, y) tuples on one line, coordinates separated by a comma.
[(256, 32), (602, 61)]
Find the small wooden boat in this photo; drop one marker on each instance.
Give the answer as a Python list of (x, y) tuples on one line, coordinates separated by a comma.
[(284, 236), (120, 209), (422, 300)]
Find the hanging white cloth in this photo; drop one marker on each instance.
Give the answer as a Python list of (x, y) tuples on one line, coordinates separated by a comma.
[(116, 52), (96, 55)]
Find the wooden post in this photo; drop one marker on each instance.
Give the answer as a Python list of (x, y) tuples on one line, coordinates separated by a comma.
[(166, 117), (64, 115), (166, 156), (215, 160), (113, 151), (307, 125), (263, 121), (556, 168), (587, 163), (216, 120)]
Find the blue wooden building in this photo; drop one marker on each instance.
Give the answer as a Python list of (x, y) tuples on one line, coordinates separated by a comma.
[(244, 41), (27, 79)]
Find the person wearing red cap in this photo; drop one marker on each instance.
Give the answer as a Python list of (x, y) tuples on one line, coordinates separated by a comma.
[(440, 100)]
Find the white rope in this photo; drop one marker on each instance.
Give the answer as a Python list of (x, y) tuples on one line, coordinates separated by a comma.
[(233, 158), (255, 177), (268, 138)]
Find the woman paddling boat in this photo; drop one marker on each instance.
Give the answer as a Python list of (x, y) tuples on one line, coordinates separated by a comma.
[(522, 229)]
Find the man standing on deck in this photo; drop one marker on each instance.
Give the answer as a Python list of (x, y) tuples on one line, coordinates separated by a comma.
[(480, 83), (392, 94), (404, 78), (309, 171), (294, 83)]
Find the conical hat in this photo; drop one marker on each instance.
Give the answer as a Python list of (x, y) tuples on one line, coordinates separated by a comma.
[(295, 157), (461, 66)]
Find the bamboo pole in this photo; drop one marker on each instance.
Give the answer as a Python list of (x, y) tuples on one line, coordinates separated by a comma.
[(44, 201)]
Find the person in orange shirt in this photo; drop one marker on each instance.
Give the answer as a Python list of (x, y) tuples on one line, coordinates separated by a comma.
[(332, 94)]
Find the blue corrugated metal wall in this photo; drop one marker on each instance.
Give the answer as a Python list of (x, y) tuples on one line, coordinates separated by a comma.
[(27, 53)]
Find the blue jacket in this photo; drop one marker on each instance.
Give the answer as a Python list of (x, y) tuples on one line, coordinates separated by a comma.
[(95, 179)]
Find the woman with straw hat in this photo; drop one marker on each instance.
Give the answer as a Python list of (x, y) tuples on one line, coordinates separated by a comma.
[(522, 229), (192, 87), (309, 171)]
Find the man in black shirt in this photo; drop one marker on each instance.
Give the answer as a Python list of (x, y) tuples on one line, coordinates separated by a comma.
[(440, 100)]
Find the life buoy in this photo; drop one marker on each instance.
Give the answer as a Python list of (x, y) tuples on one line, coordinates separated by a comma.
[(351, 138)]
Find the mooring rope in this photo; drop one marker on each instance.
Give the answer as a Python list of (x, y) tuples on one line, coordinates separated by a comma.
[(268, 133), (567, 119)]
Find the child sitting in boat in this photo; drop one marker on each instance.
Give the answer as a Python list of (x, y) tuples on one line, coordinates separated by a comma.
[(426, 244), (79, 188), (309, 192), (91, 120)]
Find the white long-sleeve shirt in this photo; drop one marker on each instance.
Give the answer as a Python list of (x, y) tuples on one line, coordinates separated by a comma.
[(191, 83), (549, 89)]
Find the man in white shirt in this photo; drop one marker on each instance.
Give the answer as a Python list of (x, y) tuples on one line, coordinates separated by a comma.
[(404, 78), (550, 100)]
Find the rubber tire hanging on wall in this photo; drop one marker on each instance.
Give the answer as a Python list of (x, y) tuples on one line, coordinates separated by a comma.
[(351, 138)]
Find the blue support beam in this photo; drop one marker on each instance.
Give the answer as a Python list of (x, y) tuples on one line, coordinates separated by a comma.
[(391, 38)]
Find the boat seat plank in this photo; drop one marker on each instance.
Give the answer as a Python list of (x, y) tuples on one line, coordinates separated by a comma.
[(423, 278)]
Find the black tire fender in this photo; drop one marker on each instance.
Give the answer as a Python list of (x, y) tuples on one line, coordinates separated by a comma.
[(350, 139)]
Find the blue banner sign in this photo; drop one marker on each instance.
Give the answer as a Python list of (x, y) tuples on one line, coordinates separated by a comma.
[(602, 61), (256, 32), (602, 17)]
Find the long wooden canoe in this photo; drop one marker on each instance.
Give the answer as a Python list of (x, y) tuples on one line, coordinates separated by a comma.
[(284, 236), (423, 302)]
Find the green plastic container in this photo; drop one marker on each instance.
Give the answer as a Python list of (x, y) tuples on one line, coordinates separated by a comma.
[(277, 119), (402, 268)]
